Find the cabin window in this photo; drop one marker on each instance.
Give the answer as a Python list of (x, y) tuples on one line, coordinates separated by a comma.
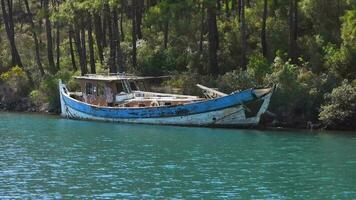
[(133, 86), (89, 88), (101, 89), (95, 89), (119, 87)]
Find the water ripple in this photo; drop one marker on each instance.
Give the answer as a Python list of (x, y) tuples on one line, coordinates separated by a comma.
[(51, 158)]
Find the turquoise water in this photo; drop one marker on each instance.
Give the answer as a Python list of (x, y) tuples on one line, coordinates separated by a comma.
[(44, 157)]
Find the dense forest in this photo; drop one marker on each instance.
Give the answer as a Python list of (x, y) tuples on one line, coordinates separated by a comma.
[(306, 47)]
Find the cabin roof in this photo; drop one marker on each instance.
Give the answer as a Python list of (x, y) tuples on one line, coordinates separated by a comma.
[(115, 77)]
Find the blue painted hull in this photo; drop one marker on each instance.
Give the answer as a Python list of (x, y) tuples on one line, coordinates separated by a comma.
[(224, 111), (166, 111)]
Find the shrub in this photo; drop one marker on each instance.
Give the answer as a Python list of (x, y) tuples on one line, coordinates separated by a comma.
[(294, 97), (36, 97), (257, 68), (187, 81), (235, 80), (48, 90), (340, 108), (16, 79), (340, 61)]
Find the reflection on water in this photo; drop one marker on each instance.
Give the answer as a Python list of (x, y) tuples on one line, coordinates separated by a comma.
[(45, 157)]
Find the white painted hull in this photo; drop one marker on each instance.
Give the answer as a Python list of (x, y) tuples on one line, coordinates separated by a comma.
[(227, 117)]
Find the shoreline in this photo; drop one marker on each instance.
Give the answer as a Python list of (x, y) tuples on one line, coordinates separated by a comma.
[(260, 128)]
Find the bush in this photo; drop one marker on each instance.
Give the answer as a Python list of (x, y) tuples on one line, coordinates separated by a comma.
[(48, 90), (17, 80), (235, 80), (187, 81), (257, 68), (295, 97), (340, 109), (36, 97), (154, 60), (340, 61)]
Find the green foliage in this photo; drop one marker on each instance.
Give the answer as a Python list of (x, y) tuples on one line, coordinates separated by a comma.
[(16, 79), (48, 90), (235, 80), (291, 98), (14, 73), (257, 68), (299, 91), (313, 50), (339, 111), (187, 81), (348, 31), (37, 98), (341, 61), (326, 46), (157, 61), (277, 32), (324, 16)]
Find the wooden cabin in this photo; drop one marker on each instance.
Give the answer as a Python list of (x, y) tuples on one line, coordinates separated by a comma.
[(105, 90)]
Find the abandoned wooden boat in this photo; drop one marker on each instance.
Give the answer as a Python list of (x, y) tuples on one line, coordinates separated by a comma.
[(118, 98)]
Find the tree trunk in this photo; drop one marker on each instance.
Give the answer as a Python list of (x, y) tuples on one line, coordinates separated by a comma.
[(58, 53), (34, 35), (9, 27), (218, 7), (119, 56), (248, 3), (99, 36), (91, 44), (134, 34), (239, 8), (166, 33), (10, 32), (71, 49), (58, 50), (243, 36), (233, 6), (227, 9), (112, 59), (263, 32), (121, 25), (78, 44), (138, 11), (202, 28), (52, 66), (213, 40), (83, 48), (106, 25), (293, 29)]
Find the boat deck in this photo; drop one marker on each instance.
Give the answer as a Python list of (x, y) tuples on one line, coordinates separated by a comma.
[(142, 99)]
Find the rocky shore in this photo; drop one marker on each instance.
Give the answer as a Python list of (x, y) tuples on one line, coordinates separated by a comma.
[(24, 105)]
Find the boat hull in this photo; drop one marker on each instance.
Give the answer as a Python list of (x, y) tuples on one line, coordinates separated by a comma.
[(220, 112)]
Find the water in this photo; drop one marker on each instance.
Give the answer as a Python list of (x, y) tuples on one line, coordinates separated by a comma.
[(43, 157)]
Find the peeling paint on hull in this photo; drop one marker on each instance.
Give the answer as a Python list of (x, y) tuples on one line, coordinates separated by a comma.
[(225, 111)]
